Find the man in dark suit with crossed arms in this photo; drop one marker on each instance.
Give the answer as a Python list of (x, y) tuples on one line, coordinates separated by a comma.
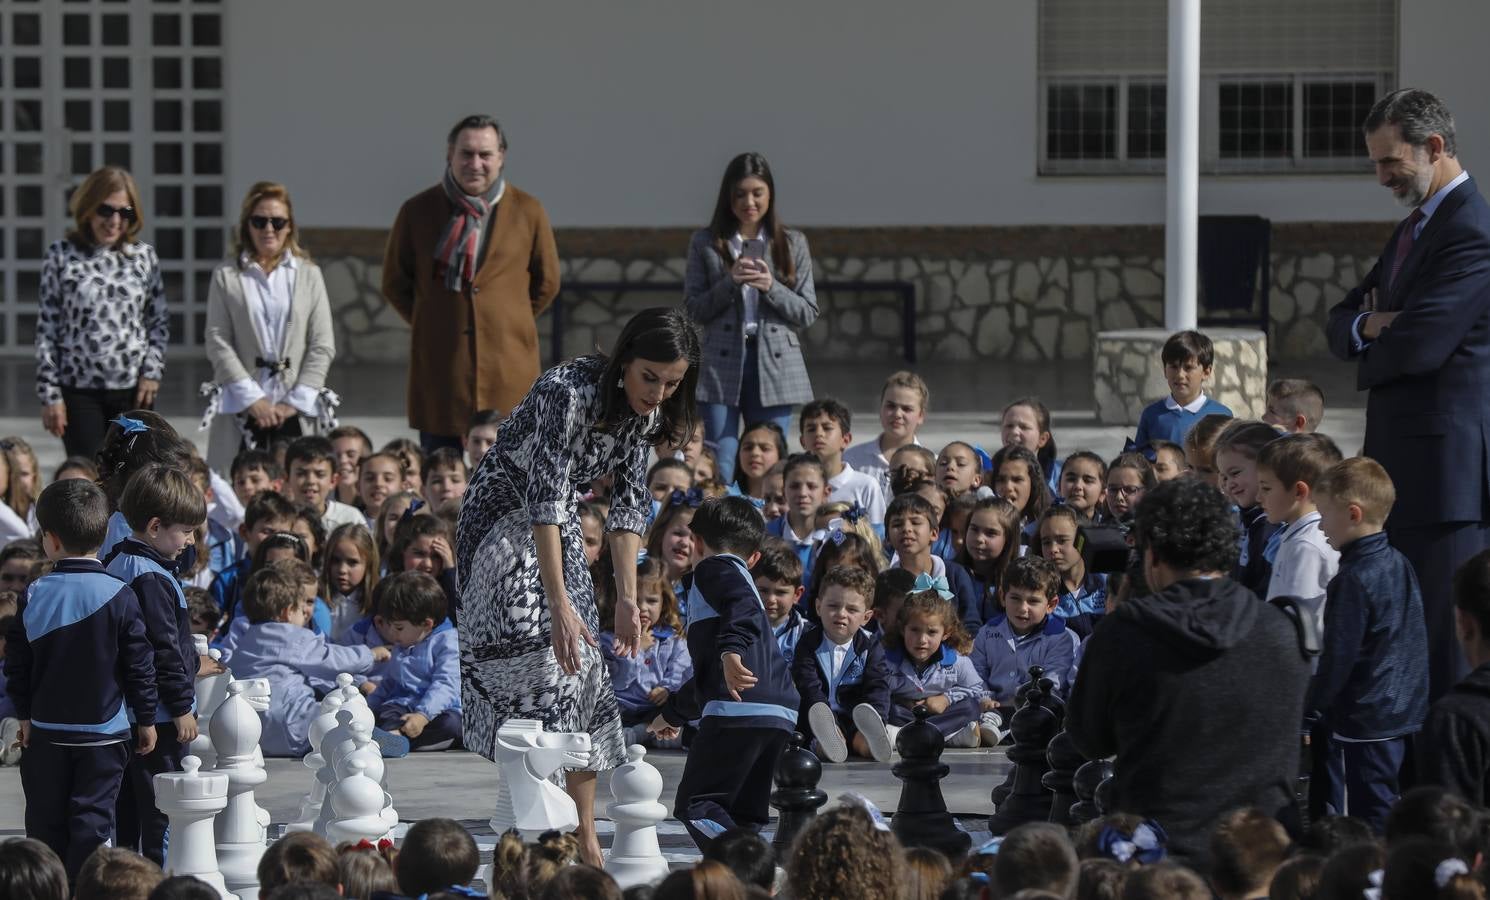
[(1418, 328)]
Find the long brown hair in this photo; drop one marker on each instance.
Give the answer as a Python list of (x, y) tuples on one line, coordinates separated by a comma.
[(929, 604), (724, 224), (243, 242), (660, 334), (94, 190)]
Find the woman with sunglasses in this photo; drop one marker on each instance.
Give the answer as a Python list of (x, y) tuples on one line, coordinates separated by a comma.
[(268, 334), (102, 327)]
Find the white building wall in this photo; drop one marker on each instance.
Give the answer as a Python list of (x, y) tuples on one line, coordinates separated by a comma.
[(872, 112)]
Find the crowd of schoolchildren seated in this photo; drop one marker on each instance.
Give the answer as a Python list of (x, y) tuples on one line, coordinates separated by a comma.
[(893, 576)]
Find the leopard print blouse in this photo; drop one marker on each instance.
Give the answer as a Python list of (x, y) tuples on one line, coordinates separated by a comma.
[(102, 321)]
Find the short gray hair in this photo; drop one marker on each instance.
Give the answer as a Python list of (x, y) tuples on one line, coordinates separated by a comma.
[(477, 122), (1417, 114)]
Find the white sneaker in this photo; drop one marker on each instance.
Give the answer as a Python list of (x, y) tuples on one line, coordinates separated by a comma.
[(966, 737), (825, 729), (991, 726), (10, 741), (894, 732), (867, 720)]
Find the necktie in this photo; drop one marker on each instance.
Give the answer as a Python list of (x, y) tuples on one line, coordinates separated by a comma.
[(1404, 244)]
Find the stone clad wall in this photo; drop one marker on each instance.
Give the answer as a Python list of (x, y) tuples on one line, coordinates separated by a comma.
[(981, 293)]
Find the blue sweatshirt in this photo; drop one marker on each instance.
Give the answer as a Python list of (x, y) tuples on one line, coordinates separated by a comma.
[(77, 654), (298, 664), (726, 615), (949, 674), (665, 664), (1003, 658), (789, 633), (424, 678), (167, 623), (227, 590), (1161, 423)]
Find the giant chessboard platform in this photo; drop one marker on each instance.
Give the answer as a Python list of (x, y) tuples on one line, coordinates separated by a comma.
[(463, 786)]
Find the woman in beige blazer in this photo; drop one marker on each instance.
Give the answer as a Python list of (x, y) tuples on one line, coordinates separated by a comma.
[(268, 335)]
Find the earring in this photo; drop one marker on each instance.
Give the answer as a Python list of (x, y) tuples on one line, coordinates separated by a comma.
[(620, 382)]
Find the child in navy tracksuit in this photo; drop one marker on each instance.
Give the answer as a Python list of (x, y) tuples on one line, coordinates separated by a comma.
[(840, 671), (1027, 633), (1370, 690), (418, 696), (741, 688), (924, 643), (75, 658), (163, 508), (279, 646)]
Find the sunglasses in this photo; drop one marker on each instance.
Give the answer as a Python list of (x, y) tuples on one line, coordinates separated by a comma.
[(107, 212), (274, 222)]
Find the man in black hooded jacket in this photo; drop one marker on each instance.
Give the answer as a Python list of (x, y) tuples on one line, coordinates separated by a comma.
[(1198, 687)]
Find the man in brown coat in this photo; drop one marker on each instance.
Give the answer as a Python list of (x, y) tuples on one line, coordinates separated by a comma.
[(470, 264)]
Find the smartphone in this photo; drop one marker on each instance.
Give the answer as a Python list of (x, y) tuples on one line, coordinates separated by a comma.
[(754, 248)]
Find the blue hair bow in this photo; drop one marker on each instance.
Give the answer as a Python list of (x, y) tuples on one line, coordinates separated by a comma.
[(1146, 844), (925, 582), (854, 513), (414, 507), (984, 459), (693, 497), (1147, 451), (128, 425), (641, 557)]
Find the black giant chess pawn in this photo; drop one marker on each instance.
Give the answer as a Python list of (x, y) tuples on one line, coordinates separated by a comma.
[(921, 819), (796, 797), (1064, 760), (1103, 795), (1032, 726), (1052, 700), (1088, 778)]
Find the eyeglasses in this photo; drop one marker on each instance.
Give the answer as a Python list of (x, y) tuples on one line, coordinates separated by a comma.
[(107, 212), (1126, 490), (262, 222)]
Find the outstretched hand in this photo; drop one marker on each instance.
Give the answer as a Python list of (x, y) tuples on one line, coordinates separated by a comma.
[(736, 677), (628, 628)]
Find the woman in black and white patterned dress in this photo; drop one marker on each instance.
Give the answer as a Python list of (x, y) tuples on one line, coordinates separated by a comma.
[(528, 620), (102, 326)]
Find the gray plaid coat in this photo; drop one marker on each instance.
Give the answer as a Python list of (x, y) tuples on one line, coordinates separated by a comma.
[(713, 300)]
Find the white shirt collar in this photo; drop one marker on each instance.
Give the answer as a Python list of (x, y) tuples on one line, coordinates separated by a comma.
[(1194, 406), (249, 264), (1430, 206), (1299, 524)]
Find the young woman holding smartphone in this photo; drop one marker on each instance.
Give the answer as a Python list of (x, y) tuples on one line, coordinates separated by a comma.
[(749, 287)]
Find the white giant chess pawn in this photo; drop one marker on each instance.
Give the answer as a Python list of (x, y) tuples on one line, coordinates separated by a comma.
[(191, 799), (360, 809), (258, 695), (240, 838), (635, 857), (212, 690), (355, 700), (310, 804), (336, 745)]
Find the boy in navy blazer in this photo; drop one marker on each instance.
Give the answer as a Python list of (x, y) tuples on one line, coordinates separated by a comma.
[(163, 508), (741, 688), (76, 658), (841, 673)]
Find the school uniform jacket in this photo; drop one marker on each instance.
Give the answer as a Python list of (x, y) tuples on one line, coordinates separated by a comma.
[(949, 674), (167, 623), (424, 678), (866, 676), (1003, 658), (789, 634), (76, 655), (298, 665), (726, 615), (665, 664)]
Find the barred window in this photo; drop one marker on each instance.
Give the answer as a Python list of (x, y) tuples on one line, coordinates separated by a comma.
[(1284, 85)]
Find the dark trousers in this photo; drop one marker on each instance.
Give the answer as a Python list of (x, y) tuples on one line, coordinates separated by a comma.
[(1363, 779), (70, 794), (1435, 552), (88, 415), (429, 443), (727, 780), (139, 825), (442, 733), (948, 723)]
